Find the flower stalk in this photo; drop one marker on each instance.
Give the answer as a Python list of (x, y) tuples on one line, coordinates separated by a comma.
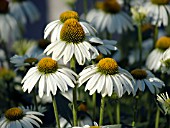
[(135, 110), (140, 44), (118, 112), (94, 106), (155, 37), (74, 110), (55, 110), (101, 111), (157, 118)]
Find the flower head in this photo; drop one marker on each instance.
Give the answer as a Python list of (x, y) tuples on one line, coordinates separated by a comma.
[(163, 43), (153, 61), (18, 117), (158, 11), (26, 60), (73, 41), (106, 77), (164, 102), (146, 78), (54, 28), (49, 76), (69, 15), (165, 62), (72, 32), (110, 6), (109, 16), (9, 30)]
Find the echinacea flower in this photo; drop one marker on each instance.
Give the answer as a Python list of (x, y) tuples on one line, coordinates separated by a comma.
[(54, 28), (73, 41), (146, 78), (9, 30), (24, 10), (106, 77), (19, 117), (50, 76), (159, 11), (153, 61), (109, 16), (165, 62), (164, 102), (26, 60)]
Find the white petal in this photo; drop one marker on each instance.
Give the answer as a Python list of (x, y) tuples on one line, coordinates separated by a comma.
[(67, 79), (92, 82), (30, 72), (150, 86), (79, 57), (42, 85), (102, 83), (109, 85)]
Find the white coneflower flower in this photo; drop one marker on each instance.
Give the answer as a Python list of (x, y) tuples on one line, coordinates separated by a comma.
[(153, 61), (19, 117), (73, 41), (106, 77), (50, 76), (165, 62), (146, 78), (24, 10), (9, 30), (109, 16), (53, 29), (159, 11), (164, 102), (26, 60)]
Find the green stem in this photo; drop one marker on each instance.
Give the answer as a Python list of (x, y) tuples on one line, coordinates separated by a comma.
[(155, 37), (118, 112), (135, 110), (72, 65), (101, 111), (85, 8), (75, 106), (35, 99), (55, 110), (94, 106), (157, 118), (140, 44), (109, 111)]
